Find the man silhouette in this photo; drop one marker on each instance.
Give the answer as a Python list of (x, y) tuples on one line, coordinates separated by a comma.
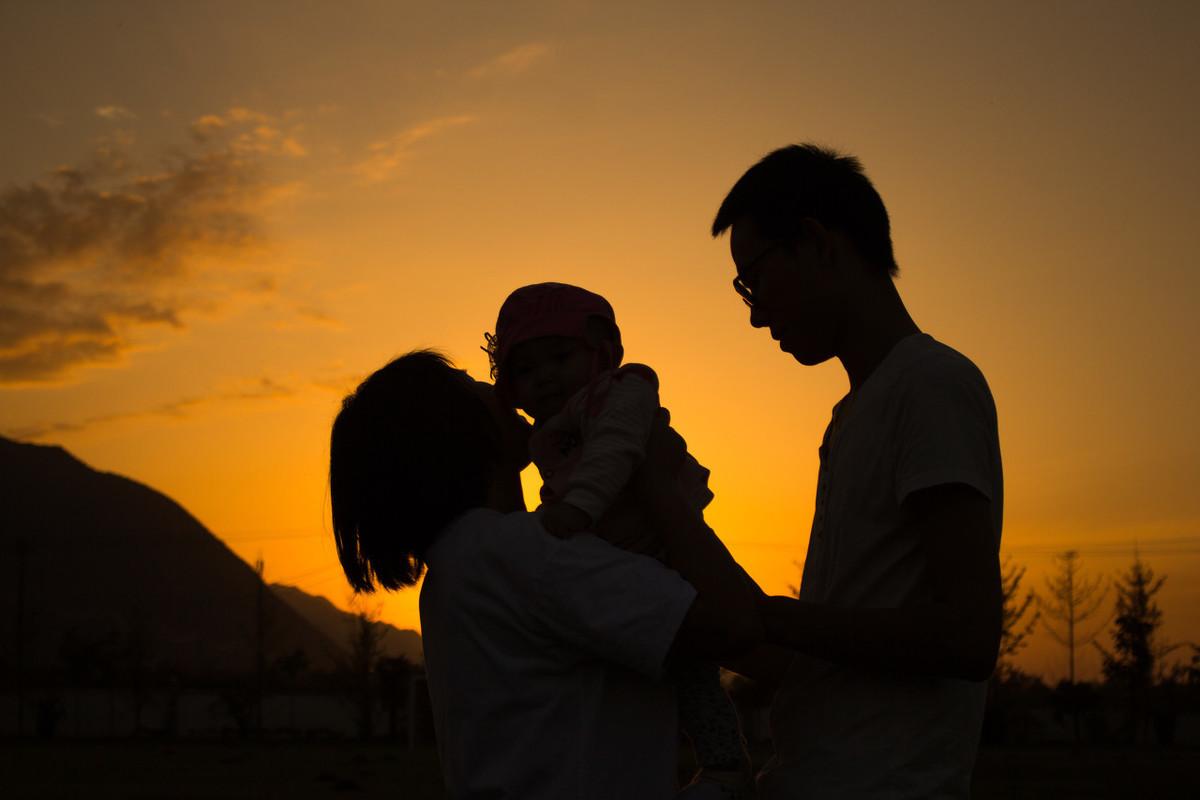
[(881, 662)]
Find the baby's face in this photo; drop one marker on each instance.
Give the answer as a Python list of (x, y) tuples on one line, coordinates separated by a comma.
[(545, 372)]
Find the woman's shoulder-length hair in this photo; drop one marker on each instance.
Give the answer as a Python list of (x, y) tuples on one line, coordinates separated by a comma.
[(411, 449)]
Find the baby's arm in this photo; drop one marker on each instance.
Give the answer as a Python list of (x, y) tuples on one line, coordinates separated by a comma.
[(614, 440)]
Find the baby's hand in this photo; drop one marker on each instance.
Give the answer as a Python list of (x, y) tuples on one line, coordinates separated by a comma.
[(563, 520)]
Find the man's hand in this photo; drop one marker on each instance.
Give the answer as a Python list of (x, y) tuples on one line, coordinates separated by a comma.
[(564, 520), (953, 634)]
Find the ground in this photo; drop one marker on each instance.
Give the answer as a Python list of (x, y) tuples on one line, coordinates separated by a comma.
[(301, 770)]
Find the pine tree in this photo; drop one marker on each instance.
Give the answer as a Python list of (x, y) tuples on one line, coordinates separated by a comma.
[(1136, 651), (1006, 684)]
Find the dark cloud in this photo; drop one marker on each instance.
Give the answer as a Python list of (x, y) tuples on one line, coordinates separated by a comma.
[(92, 254)]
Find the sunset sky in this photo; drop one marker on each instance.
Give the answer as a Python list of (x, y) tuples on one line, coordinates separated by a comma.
[(215, 218)]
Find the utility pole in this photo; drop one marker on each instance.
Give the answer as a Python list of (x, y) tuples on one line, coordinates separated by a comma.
[(259, 646), (22, 554)]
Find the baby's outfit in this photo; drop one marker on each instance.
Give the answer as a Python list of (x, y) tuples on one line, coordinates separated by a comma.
[(586, 455)]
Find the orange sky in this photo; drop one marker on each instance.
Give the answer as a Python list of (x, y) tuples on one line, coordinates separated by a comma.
[(223, 216)]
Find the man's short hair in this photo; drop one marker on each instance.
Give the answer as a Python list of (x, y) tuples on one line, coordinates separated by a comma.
[(805, 180), (412, 448)]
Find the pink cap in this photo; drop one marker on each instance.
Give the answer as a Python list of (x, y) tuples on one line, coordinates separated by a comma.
[(546, 309)]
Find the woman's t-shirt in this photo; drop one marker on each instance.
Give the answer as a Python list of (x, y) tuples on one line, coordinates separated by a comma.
[(544, 659)]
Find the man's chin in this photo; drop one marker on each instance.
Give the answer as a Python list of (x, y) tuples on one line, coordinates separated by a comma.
[(806, 357)]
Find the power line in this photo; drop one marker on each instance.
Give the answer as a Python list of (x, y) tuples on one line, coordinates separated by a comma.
[(268, 537), (1180, 545), (309, 573)]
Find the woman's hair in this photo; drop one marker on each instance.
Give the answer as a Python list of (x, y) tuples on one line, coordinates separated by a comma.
[(412, 448)]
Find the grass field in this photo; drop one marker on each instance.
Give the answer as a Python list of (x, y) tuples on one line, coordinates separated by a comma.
[(297, 771)]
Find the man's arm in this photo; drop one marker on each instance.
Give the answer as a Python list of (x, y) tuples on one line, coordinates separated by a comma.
[(723, 620), (955, 634), (765, 665)]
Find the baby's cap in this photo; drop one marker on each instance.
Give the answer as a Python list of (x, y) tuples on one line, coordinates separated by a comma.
[(546, 309)]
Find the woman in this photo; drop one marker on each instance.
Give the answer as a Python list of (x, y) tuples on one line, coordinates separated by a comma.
[(544, 656)]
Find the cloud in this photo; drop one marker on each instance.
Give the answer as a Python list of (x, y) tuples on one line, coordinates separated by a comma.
[(311, 315), (114, 113), (93, 254), (258, 389), (248, 132), (387, 156), (513, 62), (341, 383)]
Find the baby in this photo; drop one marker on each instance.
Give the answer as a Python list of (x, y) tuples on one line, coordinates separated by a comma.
[(556, 355)]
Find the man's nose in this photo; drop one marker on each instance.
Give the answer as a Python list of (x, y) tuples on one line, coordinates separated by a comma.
[(758, 317)]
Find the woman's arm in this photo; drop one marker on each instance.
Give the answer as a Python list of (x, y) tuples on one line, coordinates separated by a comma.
[(724, 620)]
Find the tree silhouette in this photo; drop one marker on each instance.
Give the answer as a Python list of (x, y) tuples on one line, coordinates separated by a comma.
[(1191, 671), (365, 646), (794, 591), (90, 659), (291, 667), (1009, 683), (1014, 628), (136, 659), (394, 675), (1072, 601), (1137, 653)]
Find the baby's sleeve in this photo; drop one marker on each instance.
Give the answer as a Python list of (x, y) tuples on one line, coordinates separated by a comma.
[(614, 435)]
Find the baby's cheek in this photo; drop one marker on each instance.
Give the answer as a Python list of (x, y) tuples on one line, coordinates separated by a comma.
[(522, 392)]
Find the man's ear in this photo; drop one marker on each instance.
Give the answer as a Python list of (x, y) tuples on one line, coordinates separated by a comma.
[(815, 236), (821, 244)]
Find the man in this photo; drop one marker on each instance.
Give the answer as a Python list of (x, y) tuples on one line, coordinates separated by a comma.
[(544, 656), (881, 662)]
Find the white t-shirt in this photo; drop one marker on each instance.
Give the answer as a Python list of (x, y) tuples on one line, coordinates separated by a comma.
[(925, 417), (544, 657)]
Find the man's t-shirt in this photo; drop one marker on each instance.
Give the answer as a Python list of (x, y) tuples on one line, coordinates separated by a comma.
[(544, 658), (925, 417)]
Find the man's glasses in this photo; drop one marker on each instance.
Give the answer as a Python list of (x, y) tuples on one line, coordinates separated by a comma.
[(740, 286), (743, 290)]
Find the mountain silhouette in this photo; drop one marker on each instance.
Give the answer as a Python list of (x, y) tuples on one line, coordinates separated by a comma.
[(337, 624), (94, 556)]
